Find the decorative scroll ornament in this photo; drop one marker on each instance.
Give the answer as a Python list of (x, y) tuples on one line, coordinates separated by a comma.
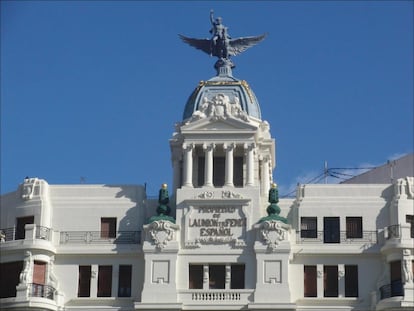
[(219, 108), (273, 232), (225, 194), (230, 195), (206, 195), (161, 232)]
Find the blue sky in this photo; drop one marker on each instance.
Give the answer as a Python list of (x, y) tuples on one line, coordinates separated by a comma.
[(93, 89)]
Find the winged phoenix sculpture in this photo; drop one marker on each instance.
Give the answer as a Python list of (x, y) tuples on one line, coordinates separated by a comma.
[(221, 44)]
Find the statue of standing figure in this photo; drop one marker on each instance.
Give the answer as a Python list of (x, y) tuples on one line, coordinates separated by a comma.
[(220, 40)]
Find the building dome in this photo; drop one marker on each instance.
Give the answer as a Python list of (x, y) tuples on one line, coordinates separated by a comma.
[(223, 83)]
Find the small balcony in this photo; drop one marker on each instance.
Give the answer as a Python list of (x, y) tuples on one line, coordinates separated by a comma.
[(96, 237), (11, 234), (342, 237), (393, 289), (232, 297), (41, 290)]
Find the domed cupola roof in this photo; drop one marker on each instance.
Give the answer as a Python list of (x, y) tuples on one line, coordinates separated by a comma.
[(223, 47), (227, 85)]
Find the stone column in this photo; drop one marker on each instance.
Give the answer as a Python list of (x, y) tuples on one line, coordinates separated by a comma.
[(176, 173), (249, 164), (188, 165), (208, 164), (265, 174), (229, 148)]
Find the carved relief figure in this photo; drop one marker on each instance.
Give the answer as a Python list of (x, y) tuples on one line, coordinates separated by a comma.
[(407, 275), (26, 274)]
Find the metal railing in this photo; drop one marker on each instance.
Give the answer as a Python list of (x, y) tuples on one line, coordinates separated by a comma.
[(41, 290), (10, 234), (393, 289), (96, 237), (344, 237)]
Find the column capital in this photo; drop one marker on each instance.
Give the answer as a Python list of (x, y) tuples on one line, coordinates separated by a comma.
[(188, 146), (249, 146), (209, 146), (229, 146)]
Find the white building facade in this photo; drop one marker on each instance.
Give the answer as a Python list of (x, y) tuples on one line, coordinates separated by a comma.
[(228, 243)]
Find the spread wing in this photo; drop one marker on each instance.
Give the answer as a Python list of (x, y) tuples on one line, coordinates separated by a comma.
[(201, 44), (240, 45)]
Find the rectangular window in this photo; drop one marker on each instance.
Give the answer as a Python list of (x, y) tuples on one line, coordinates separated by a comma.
[(410, 219), (310, 283), (395, 275), (238, 171), (124, 281), (84, 284), (353, 227), (39, 272), (217, 274), (9, 278), (195, 280), (331, 230), (108, 227), (237, 276), (351, 281), (330, 281), (218, 171), (308, 227), (104, 281), (21, 222)]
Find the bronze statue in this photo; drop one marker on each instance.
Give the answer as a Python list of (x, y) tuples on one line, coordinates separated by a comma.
[(221, 44)]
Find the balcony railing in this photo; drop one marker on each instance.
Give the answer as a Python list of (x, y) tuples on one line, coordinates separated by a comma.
[(231, 296), (41, 290), (10, 234), (392, 290), (344, 237), (96, 237)]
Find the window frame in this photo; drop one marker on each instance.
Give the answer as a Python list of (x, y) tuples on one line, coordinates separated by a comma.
[(309, 222), (354, 227)]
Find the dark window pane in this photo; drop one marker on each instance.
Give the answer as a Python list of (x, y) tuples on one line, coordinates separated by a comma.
[(310, 284), (237, 276), (238, 172), (353, 227), (330, 275), (200, 171), (9, 278), (20, 226), (218, 171), (124, 281), (104, 281), (84, 285), (195, 277), (217, 276), (308, 227), (331, 230), (351, 281)]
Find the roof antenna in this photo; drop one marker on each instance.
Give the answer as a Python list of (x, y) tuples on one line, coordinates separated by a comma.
[(325, 171)]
